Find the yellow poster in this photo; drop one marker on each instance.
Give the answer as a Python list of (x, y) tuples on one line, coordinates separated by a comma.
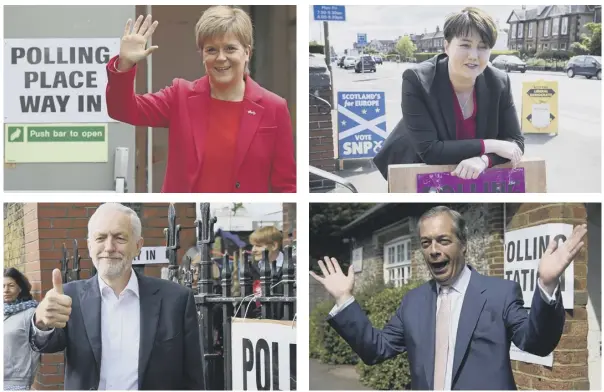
[(540, 107)]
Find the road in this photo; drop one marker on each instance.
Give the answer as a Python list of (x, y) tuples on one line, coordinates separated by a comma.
[(330, 377), (573, 157)]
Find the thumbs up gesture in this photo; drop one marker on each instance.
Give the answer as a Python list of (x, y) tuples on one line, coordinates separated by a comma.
[(55, 308)]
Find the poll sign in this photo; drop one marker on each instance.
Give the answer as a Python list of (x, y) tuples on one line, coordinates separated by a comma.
[(362, 38), (263, 354), (152, 255), (361, 124), (330, 13), (523, 250), (493, 180), (56, 80), (540, 107)]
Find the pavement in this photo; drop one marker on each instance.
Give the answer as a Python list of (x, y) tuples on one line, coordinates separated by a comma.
[(573, 157), (333, 377)]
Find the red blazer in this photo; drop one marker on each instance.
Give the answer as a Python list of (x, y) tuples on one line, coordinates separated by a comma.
[(265, 149)]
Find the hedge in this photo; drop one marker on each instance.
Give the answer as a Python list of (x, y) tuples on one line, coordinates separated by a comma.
[(325, 344)]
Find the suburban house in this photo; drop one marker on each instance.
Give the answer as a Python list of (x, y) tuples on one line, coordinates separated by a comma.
[(550, 27)]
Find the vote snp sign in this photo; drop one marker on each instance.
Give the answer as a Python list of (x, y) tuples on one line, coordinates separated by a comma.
[(361, 124), (263, 354), (523, 251), (56, 80)]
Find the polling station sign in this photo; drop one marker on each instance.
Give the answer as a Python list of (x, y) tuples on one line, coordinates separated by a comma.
[(490, 181), (57, 80), (151, 255), (263, 354), (523, 251), (540, 107), (361, 124), (39, 143)]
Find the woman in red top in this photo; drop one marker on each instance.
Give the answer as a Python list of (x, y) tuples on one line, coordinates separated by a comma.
[(457, 109), (226, 133)]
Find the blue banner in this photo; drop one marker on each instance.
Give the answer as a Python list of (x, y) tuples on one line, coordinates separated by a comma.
[(362, 38), (333, 13), (361, 124)]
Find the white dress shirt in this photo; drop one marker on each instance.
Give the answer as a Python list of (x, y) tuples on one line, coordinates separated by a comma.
[(120, 336), (457, 293)]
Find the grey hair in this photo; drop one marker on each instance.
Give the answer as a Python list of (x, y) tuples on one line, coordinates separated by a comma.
[(134, 219), (459, 223)]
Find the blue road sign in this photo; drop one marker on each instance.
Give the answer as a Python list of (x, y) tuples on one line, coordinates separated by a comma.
[(332, 13), (361, 124), (362, 38)]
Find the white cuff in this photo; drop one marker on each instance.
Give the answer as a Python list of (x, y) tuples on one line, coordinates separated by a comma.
[(550, 299), (38, 331), (337, 309)]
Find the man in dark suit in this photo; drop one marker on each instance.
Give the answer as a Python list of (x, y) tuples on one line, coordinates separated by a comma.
[(456, 328), (120, 330), (457, 108)]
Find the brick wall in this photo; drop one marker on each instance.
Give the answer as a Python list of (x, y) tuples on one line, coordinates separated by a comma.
[(321, 142), (14, 235), (289, 221), (570, 357)]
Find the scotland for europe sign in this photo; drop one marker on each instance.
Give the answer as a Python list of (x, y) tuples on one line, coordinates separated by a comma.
[(361, 124)]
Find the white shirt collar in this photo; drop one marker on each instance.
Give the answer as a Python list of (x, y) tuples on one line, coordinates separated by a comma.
[(279, 260), (132, 284), (461, 283)]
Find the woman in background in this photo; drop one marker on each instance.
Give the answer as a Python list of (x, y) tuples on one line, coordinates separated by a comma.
[(20, 361)]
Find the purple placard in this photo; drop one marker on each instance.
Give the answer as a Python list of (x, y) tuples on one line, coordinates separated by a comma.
[(490, 181)]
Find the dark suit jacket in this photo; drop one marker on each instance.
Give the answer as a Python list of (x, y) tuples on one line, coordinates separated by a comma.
[(170, 355), (427, 131), (492, 316)]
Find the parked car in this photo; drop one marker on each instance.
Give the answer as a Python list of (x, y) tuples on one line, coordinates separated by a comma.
[(365, 63), (377, 59), (588, 66), (340, 62), (349, 62), (509, 63)]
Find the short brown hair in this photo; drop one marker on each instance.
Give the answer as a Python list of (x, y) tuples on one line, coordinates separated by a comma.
[(470, 18), (220, 20), (266, 235)]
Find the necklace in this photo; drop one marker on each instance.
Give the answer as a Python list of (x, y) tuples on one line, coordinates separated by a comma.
[(463, 108)]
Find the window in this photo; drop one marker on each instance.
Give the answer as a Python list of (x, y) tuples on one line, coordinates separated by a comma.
[(530, 33), (554, 46), (564, 30), (514, 30), (545, 46), (397, 261), (520, 30), (546, 28), (563, 46), (555, 26)]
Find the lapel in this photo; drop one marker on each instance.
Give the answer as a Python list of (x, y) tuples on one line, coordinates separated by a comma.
[(482, 102), (444, 95), (90, 306), (150, 305), (199, 104), (250, 120), (429, 331), (472, 306)]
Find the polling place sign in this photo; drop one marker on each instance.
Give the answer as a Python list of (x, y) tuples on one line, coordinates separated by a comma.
[(43, 143), (523, 251), (57, 80), (151, 255), (263, 354), (540, 107), (361, 124)]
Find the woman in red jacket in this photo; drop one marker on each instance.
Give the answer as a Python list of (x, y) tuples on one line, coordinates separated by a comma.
[(227, 134)]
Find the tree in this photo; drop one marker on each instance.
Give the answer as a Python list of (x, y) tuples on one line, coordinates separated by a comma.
[(406, 47), (578, 49), (325, 227), (595, 41)]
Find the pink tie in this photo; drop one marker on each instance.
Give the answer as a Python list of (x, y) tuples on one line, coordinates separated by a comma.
[(441, 347)]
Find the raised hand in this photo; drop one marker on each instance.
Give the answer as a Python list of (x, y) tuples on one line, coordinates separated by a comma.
[(335, 282), (555, 259), (55, 308), (132, 46)]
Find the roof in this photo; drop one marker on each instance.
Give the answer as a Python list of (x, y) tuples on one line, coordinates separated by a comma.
[(543, 12), (364, 216)]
